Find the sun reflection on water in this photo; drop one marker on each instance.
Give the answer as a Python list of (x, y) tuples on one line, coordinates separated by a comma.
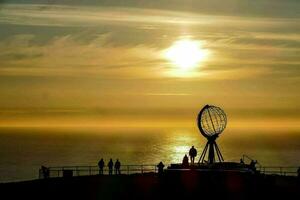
[(180, 143)]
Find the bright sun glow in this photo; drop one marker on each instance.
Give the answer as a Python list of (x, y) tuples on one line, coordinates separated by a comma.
[(186, 54)]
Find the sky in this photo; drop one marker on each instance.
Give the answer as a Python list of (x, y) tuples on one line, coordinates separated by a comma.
[(66, 59)]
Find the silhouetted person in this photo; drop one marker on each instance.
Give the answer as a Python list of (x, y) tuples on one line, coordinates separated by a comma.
[(45, 171), (101, 166), (252, 165), (242, 161), (117, 167), (160, 167), (110, 166), (185, 161), (192, 154), (298, 172)]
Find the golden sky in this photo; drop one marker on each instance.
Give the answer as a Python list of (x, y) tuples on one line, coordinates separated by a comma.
[(143, 58)]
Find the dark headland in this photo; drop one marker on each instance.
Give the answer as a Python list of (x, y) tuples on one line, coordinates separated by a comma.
[(190, 184)]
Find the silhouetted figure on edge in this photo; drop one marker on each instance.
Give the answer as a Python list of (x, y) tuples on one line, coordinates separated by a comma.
[(192, 154), (160, 167), (185, 161), (117, 167), (298, 172), (101, 166), (242, 161), (45, 171), (252, 165), (110, 167)]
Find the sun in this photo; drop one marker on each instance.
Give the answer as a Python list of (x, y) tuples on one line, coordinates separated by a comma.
[(186, 54)]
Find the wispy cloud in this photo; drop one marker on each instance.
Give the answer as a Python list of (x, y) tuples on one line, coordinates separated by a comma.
[(270, 8), (64, 15), (167, 94), (64, 56)]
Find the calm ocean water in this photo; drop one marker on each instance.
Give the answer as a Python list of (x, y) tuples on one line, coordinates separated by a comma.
[(23, 151)]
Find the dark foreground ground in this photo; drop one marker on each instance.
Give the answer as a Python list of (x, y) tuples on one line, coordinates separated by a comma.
[(173, 185)]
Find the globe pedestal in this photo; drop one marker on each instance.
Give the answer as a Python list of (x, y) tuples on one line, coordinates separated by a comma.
[(213, 150)]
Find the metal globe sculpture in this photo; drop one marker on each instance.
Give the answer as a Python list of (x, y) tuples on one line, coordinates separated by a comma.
[(212, 121)]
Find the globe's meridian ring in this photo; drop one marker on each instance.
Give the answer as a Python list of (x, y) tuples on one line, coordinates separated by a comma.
[(199, 121)]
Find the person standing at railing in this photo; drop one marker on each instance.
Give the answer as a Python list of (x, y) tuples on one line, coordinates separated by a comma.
[(45, 171), (252, 165), (101, 166), (160, 167), (110, 167), (117, 167), (242, 161), (192, 154), (185, 161)]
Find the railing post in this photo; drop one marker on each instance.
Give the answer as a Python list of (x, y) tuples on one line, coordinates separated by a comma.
[(127, 169), (280, 170), (142, 169), (77, 172), (90, 170)]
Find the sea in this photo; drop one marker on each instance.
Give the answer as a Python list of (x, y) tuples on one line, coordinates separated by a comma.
[(24, 150)]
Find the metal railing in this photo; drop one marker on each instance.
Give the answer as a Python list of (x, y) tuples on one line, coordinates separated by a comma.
[(94, 170), (279, 170), (141, 169), (275, 170)]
